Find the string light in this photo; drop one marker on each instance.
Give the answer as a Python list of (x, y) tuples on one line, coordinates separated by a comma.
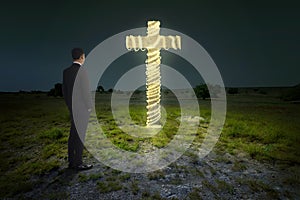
[(153, 42)]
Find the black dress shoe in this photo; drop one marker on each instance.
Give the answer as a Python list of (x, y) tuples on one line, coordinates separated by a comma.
[(84, 167)]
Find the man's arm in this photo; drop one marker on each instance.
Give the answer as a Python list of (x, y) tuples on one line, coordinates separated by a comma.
[(85, 89)]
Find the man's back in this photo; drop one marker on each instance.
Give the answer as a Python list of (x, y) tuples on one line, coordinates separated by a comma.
[(69, 76)]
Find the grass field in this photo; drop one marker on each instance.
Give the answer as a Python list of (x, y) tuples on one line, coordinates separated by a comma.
[(34, 133)]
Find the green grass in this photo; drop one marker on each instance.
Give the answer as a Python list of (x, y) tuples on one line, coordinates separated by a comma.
[(134, 187), (108, 186), (222, 185), (195, 194), (159, 174), (257, 185), (84, 178), (176, 180), (238, 166), (209, 186), (130, 143), (125, 177), (265, 128), (33, 140), (35, 128), (52, 134)]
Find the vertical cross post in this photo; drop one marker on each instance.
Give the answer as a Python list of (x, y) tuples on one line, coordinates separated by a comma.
[(153, 42)]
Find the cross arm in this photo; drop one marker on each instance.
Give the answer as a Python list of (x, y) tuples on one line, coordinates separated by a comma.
[(148, 42)]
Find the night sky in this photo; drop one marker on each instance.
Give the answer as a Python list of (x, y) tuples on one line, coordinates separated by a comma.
[(253, 44)]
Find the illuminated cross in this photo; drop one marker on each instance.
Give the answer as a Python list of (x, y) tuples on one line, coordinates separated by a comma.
[(153, 42)]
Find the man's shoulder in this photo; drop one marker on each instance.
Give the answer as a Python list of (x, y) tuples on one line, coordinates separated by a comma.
[(72, 68)]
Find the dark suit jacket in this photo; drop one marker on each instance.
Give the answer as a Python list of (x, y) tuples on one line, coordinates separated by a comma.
[(69, 76)]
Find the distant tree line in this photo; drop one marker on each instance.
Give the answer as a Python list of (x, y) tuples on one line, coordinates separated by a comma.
[(232, 90), (291, 94), (56, 91), (31, 92), (101, 90), (202, 91), (205, 91)]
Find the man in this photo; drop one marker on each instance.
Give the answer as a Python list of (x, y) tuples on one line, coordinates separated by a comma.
[(83, 103)]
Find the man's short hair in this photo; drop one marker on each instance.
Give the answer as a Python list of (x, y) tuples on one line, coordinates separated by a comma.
[(76, 53)]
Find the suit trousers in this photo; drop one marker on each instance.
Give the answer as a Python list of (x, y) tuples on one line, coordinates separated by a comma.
[(76, 142)]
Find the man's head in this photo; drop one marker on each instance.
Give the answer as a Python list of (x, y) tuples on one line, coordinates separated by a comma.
[(78, 55)]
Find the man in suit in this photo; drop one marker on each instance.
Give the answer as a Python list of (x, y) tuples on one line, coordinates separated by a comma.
[(83, 102)]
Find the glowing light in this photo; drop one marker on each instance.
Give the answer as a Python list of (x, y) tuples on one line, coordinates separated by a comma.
[(153, 42)]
